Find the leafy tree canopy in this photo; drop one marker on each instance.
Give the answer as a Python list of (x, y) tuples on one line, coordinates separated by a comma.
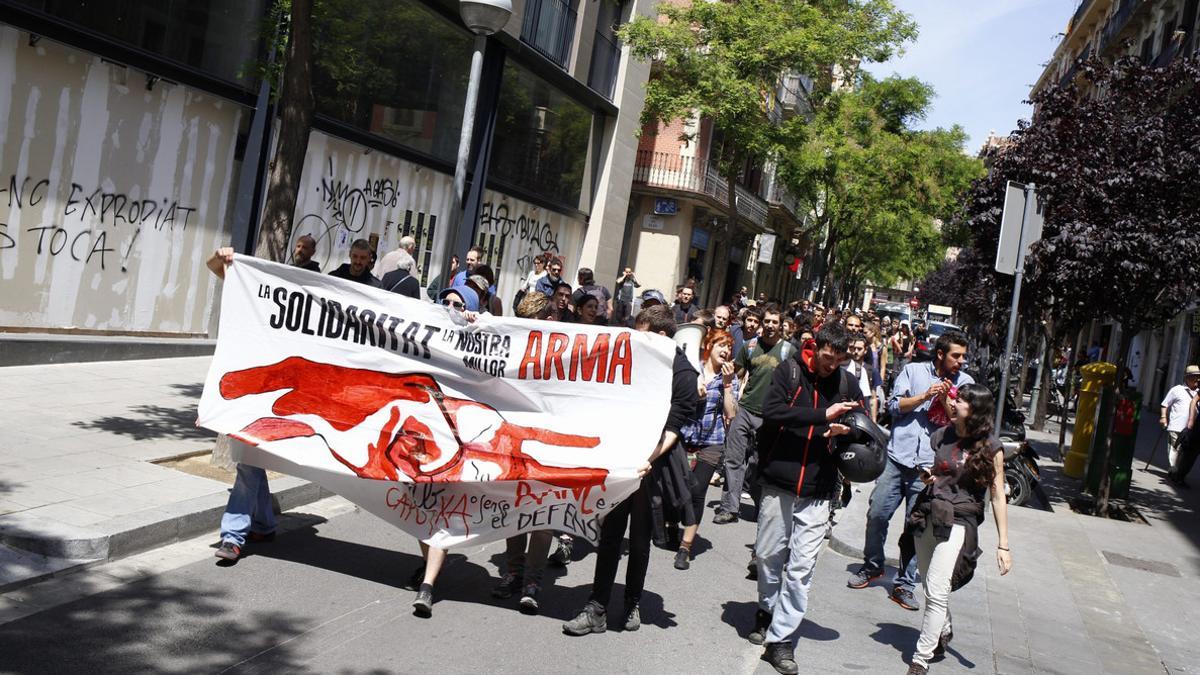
[(1116, 167)]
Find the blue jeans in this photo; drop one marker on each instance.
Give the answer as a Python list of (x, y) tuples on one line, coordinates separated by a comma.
[(249, 508), (897, 482)]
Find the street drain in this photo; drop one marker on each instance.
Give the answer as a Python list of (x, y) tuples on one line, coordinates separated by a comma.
[(1155, 566)]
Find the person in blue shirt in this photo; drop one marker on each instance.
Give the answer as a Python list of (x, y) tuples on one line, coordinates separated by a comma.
[(552, 279), (921, 389)]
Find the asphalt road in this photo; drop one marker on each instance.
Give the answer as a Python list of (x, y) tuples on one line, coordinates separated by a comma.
[(328, 598)]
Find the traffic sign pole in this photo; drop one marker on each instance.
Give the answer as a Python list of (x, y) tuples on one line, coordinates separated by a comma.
[(1030, 200)]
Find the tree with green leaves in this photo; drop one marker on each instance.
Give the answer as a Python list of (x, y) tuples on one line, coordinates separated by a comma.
[(878, 187), (722, 61)]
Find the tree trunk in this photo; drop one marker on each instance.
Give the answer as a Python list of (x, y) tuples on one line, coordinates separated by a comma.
[(295, 120), (827, 255), (1023, 350), (1106, 475), (1069, 394), (1044, 386)]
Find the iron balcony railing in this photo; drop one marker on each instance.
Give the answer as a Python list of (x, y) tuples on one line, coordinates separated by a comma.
[(1079, 12), (549, 27), (787, 200), (606, 57), (693, 174), (1118, 21)]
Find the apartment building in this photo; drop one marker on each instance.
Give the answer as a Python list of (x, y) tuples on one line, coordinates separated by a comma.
[(679, 227), (1156, 31)]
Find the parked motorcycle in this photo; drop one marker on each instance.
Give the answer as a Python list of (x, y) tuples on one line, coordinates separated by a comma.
[(1021, 473)]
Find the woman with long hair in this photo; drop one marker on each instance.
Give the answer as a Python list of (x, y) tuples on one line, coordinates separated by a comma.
[(704, 437), (968, 460)]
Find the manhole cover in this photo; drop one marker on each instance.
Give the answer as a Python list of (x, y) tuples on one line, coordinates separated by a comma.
[(1155, 566)]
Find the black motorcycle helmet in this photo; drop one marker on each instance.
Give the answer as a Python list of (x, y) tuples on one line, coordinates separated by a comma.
[(861, 454)]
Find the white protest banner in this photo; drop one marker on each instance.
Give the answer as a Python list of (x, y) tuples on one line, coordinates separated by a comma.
[(452, 431)]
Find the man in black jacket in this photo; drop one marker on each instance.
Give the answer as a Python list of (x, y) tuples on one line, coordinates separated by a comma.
[(808, 393), (635, 510)]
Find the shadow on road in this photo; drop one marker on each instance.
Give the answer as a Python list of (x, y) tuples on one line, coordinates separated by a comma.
[(123, 630)]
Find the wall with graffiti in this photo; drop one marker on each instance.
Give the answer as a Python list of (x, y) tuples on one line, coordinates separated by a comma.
[(113, 190), (349, 192)]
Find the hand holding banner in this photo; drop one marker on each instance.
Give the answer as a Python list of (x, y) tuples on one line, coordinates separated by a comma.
[(452, 431)]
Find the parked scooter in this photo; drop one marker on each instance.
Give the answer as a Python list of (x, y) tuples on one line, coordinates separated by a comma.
[(1021, 473)]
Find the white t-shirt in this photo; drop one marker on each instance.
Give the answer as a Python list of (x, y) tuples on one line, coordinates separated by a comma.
[(860, 371), (1177, 402)]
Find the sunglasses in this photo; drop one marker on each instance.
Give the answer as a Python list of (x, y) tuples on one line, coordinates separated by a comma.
[(460, 306)]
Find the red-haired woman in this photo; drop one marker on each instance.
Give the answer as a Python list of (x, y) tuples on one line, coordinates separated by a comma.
[(705, 436)]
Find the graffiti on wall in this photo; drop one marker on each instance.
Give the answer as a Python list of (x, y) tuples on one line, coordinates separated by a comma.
[(112, 194), (81, 229), (347, 193)]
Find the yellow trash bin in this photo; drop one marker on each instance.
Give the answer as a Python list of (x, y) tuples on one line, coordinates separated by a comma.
[(1096, 376)]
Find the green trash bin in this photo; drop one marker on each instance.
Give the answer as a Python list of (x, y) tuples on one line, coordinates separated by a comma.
[(1126, 414)]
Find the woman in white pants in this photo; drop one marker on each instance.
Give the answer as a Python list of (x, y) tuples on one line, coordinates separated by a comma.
[(967, 462)]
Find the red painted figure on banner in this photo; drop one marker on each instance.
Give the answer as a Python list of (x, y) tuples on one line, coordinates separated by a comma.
[(421, 437)]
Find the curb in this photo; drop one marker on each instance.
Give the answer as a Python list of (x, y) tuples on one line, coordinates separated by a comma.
[(851, 526), (127, 535)]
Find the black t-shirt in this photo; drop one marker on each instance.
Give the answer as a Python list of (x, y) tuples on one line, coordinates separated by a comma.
[(311, 266), (400, 281), (949, 461), (366, 277)]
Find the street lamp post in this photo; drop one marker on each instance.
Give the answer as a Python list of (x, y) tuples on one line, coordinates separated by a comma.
[(484, 18)]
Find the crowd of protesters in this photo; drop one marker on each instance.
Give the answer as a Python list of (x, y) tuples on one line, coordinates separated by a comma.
[(758, 414)]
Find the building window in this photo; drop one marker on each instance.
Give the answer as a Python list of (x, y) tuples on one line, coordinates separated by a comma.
[(541, 141), (606, 50), (393, 68), (219, 37), (549, 27)]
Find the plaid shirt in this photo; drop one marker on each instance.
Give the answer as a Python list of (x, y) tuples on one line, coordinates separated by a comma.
[(709, 429)]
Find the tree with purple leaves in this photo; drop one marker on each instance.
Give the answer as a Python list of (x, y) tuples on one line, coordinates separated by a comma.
[(1115, 155)]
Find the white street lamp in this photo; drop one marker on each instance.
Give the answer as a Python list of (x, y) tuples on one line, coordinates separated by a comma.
[(484, 18)]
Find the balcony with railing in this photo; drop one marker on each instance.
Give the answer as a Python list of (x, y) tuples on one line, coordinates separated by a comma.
[(549, 27), (606, 57), (1079, 12), (1118, 21), (692, 174), (780, 196)]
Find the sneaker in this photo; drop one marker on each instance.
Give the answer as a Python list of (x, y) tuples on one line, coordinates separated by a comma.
[(529, 601), (509, 584), (944, 641), (590, 620), (562, 552), (261, 537), (416, 579), (633, 618), (423, 605), (762, 622), (781, 657), (905, 598), (863, 577), (683, 559), (724, 518), (917, 669), (228, 551)]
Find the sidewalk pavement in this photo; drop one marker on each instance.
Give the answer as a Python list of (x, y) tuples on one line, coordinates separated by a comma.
[(1085, 594), (78, 479)]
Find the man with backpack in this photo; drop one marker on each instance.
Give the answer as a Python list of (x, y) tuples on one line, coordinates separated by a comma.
[(807, 396), (755, 363)]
